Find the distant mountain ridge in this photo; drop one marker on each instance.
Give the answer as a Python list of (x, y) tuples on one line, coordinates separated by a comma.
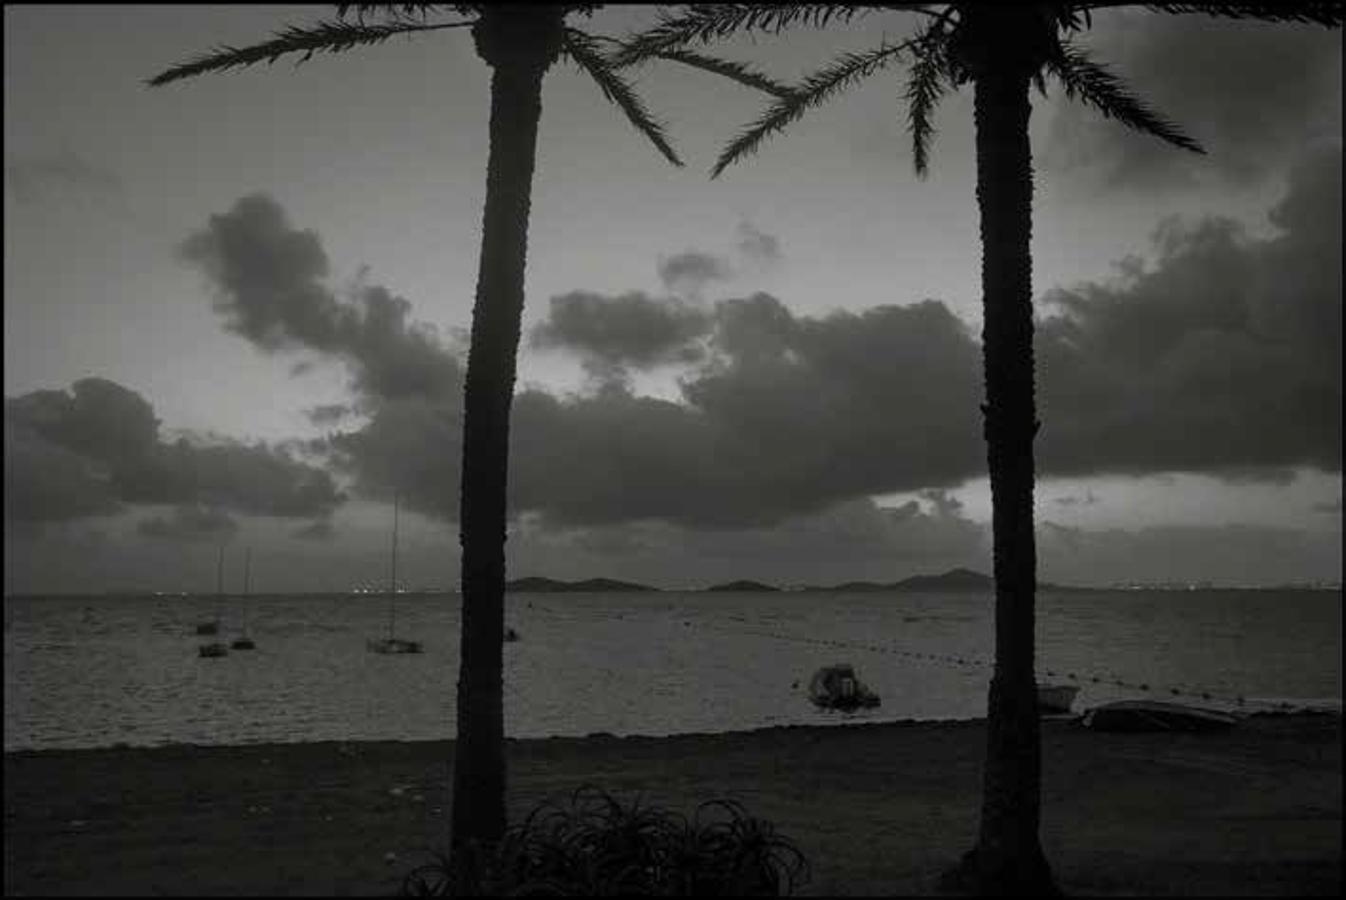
[(953, 581), (742, 585), (536, 585)]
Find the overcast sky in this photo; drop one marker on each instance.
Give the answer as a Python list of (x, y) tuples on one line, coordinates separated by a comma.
[(235, 311)]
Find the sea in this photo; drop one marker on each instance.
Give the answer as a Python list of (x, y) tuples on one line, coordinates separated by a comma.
[(108, 671)]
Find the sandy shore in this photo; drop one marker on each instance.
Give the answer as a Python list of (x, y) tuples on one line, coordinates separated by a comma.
[(877, 808)]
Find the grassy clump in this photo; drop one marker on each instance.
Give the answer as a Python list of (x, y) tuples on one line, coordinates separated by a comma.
[(596, 846)]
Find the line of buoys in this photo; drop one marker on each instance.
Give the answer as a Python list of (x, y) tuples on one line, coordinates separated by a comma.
[(964, 662)]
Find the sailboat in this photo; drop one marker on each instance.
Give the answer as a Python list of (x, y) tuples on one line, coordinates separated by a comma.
[(393, 644), (213, 626), (215, 648), (243, 642)]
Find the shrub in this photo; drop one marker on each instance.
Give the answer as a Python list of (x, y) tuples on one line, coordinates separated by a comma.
[(596, 846)]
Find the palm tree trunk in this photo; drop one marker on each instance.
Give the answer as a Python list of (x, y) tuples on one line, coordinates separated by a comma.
[(479, 763), (1008, 855)]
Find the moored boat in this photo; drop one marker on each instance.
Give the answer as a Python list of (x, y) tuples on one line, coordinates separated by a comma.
[(243, 642), (213, 626), (837, 687), (393, 644)]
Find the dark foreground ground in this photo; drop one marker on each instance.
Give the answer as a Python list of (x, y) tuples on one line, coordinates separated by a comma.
[(878, 809)]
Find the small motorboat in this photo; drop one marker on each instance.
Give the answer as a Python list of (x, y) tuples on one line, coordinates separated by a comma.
[(837, 687), (1152, 715), (212, 650), (243, 643), (1056, 698), (511, 635), (206, 628)]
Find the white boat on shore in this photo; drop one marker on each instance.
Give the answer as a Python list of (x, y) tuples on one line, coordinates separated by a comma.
[(1152, 715)]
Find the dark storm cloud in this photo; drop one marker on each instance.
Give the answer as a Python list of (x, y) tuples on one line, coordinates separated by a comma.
[(692, 270), (1252, 94), (189, 523), (269, 279), (789, 415), (44, 482), (1224, 357), (411, 446), (757, 245), (630, 330), (34, 179), (97, 447)]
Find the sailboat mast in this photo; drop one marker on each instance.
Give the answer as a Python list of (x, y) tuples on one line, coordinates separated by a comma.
[(219, 585), (392, 578), (247, 585)]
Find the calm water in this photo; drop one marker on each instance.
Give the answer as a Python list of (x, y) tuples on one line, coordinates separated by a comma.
[(86, 672)]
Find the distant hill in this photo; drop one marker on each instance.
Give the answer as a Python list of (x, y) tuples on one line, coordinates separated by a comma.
[(859, 586), (742, 586), (536, 585), (952, 580)]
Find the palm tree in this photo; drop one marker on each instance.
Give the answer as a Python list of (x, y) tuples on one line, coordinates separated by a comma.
[(519, 43), (1001, 50)]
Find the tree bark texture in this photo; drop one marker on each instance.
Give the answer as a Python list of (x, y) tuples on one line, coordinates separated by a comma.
[(519, 43)]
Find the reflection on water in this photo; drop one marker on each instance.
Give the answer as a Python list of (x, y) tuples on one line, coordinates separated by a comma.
[(98, 671)]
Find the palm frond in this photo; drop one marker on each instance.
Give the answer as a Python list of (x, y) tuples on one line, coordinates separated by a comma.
[(735, 71), (404, 11), (1088, 81), (816, 88), (324, 37), (925, 87), (702, 23), (1329, 14), (395, 10), (582, 48)]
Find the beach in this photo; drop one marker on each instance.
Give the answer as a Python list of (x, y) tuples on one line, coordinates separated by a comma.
[(877, 809)]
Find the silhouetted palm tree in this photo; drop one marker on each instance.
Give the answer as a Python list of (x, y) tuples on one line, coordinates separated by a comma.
[(519, 43), (1001, 49)]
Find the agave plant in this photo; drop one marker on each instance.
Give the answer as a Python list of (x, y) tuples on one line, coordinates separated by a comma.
[(596, 845), (1002, 50)]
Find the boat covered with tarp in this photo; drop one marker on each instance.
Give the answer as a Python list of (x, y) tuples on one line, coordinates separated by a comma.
[(838, 687)]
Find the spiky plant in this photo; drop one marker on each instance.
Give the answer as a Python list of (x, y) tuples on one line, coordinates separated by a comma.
[(1002, 50), (596, 845), (519, 43)]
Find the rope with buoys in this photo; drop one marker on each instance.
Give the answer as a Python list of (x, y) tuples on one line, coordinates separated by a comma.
[(1113, 680)]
